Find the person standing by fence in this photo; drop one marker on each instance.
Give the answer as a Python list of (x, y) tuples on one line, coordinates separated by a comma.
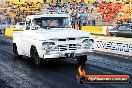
[(93, 22)]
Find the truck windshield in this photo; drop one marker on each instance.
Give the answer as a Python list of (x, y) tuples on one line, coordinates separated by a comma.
[(52, 22)]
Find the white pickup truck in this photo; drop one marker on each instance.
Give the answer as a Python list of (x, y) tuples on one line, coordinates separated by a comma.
[(51, 36)]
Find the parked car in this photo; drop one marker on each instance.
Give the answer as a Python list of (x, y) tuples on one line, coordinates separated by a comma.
[(124, 30)]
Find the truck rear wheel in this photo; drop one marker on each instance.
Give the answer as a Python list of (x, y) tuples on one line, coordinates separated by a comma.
[(15, 51), (36, 57), (82, 59)]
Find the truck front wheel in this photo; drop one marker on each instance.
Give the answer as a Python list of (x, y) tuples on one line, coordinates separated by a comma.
[(15, 51), (36, 57), (82, 59)]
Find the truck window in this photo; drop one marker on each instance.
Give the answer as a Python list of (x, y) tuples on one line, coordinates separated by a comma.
[(52, 22)]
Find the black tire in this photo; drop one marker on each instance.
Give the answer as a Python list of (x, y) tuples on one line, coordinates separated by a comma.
[(31, 52), (114, 35), (35, 56), (82, 59), (15, 51)]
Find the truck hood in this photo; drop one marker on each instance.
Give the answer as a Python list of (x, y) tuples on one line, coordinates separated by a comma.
[(54, 33)]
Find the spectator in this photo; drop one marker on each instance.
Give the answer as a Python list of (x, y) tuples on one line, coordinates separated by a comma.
[(54, 23), (78, 11), (93, 22), (18, 11)]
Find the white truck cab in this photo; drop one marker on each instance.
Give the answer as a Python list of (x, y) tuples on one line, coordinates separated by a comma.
[(51, 36)]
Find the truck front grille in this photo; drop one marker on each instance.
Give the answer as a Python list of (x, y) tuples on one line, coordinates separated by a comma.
[(67, 47), (67, 39)]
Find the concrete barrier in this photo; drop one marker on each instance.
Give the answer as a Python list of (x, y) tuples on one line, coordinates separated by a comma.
[(115, 47), (93, 29), (101, 30), (9, 31)]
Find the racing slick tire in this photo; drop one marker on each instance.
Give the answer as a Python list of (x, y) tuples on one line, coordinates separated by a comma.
[(15, 51), (82, 59), (35, 56)]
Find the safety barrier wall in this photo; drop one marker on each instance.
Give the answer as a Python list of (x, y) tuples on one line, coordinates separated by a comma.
[(9, 31), (115, 47), (101, 30), (93, 29)]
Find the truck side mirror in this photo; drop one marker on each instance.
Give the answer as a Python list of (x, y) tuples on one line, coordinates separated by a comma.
[(35, 27)]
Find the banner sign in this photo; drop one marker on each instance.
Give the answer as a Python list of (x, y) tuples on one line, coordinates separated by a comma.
[(114, 47)]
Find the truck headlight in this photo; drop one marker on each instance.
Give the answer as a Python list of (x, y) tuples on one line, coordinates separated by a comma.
[(87, 42), (47, 45)]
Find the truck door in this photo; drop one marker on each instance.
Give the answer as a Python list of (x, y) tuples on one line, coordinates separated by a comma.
[(26, 39)]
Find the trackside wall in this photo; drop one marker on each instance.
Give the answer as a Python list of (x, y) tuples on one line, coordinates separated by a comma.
[(115, 47)]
